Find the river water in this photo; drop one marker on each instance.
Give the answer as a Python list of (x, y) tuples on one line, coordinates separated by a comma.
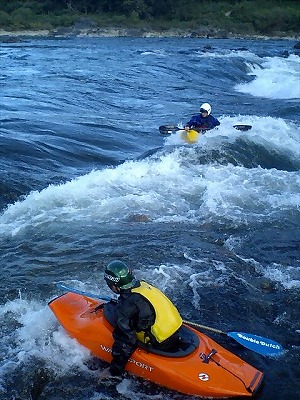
[(86, 177)]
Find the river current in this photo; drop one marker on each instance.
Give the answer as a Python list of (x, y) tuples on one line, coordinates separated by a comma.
[(86, 177)]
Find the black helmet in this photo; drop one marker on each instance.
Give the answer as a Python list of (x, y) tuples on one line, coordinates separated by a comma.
[(118, 274)]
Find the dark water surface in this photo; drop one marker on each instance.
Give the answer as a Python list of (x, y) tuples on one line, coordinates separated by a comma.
[(86, 177)]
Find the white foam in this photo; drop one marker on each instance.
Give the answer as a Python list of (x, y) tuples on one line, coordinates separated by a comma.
[(188, 278), (275, 78), (171, 187), (288, 277), (269, 131), (37, 336), (159, 53), (228, 53)]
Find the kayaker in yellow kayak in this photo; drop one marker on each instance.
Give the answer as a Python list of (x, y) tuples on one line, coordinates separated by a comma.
[(202, 121), (142, 313)]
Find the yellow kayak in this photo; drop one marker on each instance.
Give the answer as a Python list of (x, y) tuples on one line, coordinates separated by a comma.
[(190, 136)]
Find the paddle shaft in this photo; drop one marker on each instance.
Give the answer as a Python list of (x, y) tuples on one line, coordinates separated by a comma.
[(91, 295), (255, 343), (259, 344), (208, 328), (168, 129)]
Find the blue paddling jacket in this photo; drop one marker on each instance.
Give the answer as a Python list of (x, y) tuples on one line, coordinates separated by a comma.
[(200, 122)]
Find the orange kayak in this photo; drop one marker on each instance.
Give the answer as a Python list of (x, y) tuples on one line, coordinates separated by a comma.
[(199, 367)]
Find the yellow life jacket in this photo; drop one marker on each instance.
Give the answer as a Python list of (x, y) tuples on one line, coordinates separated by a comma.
[(167, 320)]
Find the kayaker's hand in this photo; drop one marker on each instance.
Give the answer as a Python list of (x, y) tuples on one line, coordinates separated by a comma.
[(186, 128), (106, 375)]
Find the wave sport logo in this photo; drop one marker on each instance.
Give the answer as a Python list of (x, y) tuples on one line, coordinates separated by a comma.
[(131, 360)]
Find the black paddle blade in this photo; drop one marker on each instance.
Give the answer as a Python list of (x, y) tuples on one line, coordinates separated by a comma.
[(168, 129), (242, 127)]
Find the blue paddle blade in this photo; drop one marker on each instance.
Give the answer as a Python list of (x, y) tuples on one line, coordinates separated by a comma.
[(259, 344)]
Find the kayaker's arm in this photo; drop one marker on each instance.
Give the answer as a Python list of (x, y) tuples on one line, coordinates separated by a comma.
[(125, 340), (100, 306)]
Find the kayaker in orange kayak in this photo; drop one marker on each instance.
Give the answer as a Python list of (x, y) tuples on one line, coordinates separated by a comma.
[(142, 313)]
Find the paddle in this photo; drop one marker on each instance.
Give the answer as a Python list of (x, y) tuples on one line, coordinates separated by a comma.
[(241, 127), (72, 290), (259, 344), (168, 129)]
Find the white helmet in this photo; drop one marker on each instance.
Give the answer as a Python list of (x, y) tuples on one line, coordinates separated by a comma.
[(205, 107)]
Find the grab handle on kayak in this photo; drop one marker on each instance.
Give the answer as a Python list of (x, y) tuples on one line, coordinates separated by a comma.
[(205, 358)]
